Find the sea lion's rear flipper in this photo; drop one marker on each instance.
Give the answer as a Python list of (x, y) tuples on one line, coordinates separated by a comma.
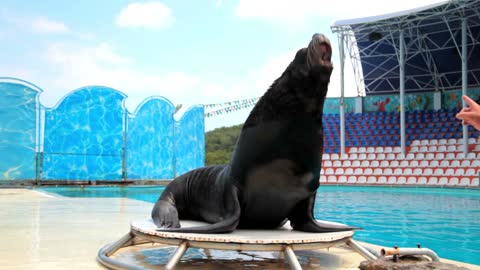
[(301, 219), (228, 224)]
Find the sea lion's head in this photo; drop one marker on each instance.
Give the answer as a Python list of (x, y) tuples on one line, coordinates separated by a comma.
[(316, 59)]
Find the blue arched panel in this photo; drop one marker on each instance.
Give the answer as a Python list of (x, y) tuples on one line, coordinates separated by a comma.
[(150, 143), (190, 140), (18, 131), (84, 136)]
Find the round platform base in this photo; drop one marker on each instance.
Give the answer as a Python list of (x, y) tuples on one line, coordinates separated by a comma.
[(283, 239)]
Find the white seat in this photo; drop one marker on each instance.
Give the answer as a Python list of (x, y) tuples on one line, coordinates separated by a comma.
[(442, 141), (356, 163), (451, 148), (410, 156), (374, 163), (430, 156), (412, 180), (475, 163), (337, 163), (423, 163), (362, 179), (432, 148), (379, 149), (326, 156), (378, 171), (459, 148), (382, 180), (401, 180), (398, 171), (394, 163), (392, 179), (474, 182), (407, 171), (450, 156), (428, 171), (424, 149), (334, 156), (342, 179), (464, 181), (343, 156), (391, 156), (432, 180), (327, 163), (387, 171), (417, 171), (449, 172), (421, 180), (370, 149), (443, 181), (323, 179), (477, 147), (365, 163), (433, 142), (371, 156), (329, 171), (347, 163), (439, 156), (442, 148), (349, 171), (397, 149), (465, 163), (353, 156), (471, 141), (362, 156), (452, 141), (438, 171), (455, 163), (414, 149), (453, 181), (415, 143), (352, 179), (404, 163), (380, 156), (372, 179), (368, 171), (471, 172), (339, 171), (388, 149), (384, 163), (361, 150), (413, 163), (353, 149), (445, 163), (471, 156), (424, 142), (460, 156), (331, 179), (434, 163), (420, 156), (358, 171)]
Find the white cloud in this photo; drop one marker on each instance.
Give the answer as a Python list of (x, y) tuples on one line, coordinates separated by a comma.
[(150, 15), (294, 12), (48, 26), (72, 66)]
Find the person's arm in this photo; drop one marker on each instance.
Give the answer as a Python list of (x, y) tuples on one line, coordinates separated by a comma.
[(471, 114)]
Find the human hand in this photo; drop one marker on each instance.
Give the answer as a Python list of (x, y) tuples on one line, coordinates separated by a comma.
[(471, 114)]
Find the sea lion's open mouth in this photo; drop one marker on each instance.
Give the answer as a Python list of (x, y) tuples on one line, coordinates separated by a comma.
[(320, 51)]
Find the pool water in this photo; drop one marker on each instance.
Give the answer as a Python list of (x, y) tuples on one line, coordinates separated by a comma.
[(444, 220)]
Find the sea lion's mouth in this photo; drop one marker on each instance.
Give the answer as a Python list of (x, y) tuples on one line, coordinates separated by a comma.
[(321, 51)]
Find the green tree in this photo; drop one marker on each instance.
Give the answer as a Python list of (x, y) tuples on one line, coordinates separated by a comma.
[(220, 143)]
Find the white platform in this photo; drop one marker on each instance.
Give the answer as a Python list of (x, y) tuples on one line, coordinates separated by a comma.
[(283, 239)]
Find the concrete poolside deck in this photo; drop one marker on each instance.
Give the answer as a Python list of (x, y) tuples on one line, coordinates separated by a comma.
[(48, 232)]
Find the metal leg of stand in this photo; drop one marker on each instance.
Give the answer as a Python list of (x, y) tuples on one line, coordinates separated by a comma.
[(108, 250), (292, 258), (177, 255), (361, 250)]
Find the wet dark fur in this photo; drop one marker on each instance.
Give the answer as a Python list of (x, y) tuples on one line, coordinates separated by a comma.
[(274, 170)]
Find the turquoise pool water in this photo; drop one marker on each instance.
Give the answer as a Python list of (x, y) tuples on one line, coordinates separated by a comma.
[(445, 220)]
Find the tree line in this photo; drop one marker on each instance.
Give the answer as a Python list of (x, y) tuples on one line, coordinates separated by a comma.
[(220, 143)]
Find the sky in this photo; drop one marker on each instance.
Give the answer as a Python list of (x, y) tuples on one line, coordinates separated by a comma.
[(190, 52)]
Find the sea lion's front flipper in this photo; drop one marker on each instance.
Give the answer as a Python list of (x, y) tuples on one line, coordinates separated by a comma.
[(228, 224), (301, 219)]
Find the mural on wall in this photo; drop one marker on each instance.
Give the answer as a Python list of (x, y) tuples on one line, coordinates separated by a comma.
[(332, 105), (452, 100), (190, 141), (84, 136), (150, 141), (381, 104), (18, 131), (419, 102)]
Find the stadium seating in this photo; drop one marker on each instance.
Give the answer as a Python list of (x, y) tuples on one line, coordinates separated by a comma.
[(434, 153)]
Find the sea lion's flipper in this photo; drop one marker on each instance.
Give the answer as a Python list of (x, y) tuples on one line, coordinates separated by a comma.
[(301, 219), (228, 224), (164, 212)]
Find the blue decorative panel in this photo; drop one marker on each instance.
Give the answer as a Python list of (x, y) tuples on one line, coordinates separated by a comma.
[(84, 136), (452, 100), (190, 140), (381, 104), (18, 120), (332, 105), (419, 102), (150, 141)]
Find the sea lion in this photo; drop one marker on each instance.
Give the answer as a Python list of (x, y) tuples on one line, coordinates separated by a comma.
[(274, 171)]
